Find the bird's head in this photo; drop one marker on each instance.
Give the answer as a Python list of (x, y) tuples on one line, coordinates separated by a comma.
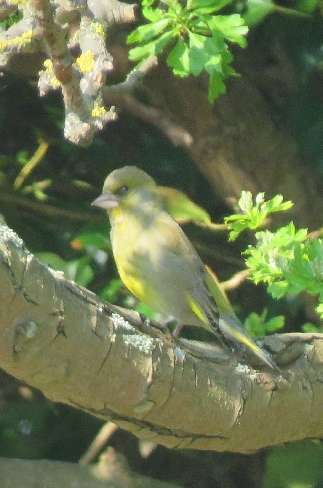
[(128, 188)]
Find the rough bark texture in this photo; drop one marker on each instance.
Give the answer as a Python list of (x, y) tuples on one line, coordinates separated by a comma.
[(62, 339)]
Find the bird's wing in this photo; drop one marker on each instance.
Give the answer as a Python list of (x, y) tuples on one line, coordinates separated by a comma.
[(210, 304), (204, 297), (198, 295), (229, 323)]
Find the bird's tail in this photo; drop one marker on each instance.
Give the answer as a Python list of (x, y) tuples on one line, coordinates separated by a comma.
[(228, 324), (231, 330)]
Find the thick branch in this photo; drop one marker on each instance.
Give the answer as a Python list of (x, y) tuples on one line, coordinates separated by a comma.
[(62, 339), (237, 143), (23, 473)]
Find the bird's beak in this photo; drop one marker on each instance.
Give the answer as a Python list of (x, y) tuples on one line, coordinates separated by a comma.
[(107, 201)]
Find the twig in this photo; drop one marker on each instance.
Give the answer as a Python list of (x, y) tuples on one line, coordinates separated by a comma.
[(47, 209), (236, 280), (121, 96), (31, 164), (213, 226), (98, 443), (315, 234), (151, 115), (136, 75)]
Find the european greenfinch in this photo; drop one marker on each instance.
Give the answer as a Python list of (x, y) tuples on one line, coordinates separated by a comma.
[(158, 263)]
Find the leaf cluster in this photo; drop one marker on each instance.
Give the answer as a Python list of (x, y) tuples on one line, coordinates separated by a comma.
[(287, 260), (196, 38), (253, 215)]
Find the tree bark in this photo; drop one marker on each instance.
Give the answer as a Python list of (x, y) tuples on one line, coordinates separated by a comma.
[(114, 364), (22, 473), (237, 142)]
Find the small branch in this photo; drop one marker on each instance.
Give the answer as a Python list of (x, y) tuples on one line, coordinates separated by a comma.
[(53, 29), (120, 95), (48, 210), (153, 116), (136, 75), (31, 164), (213, 226), (88, 106), (316, 234), (98, 443), (236, 280), (113, 11)]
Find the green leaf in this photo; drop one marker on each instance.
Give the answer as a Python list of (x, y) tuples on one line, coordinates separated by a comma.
[(278, 289), (97, 240), (179, 59), (277, 204), (77, 269), (275, 323), (12, 18), (153, 14), (140, 52), (163, 40), (319, 310), (83, 273), (148, 31), (111, 293), (151, 48), (198, 53), (257, 10), (147, 3), (301, 235), (207, 6), (214, 65), (254, 215), (231, 26), (216, 86), (308, 327), (257, 325), (218, 43), (147, 311)]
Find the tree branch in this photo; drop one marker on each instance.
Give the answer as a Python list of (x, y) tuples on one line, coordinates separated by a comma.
[(114, 364), (111, 471), (73, 37)]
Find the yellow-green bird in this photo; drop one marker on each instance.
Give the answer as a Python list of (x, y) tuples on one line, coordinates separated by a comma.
[(158, 263)]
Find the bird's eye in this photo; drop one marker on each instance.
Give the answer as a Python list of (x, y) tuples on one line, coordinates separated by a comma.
[(123, 189)]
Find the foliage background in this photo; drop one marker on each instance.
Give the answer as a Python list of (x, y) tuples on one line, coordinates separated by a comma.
[(51, 211)]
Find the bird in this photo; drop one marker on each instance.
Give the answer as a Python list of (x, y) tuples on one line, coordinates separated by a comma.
[(158, 264)]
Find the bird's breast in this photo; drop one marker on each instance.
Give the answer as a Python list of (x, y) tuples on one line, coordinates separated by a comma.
[(133, 255)]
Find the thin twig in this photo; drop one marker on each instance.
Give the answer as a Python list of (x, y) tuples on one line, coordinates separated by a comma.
[(315, 234), (49, 210), (212, 225), (235, 280), (151, 115), (121, 96), (98, 443), (31, 164)]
